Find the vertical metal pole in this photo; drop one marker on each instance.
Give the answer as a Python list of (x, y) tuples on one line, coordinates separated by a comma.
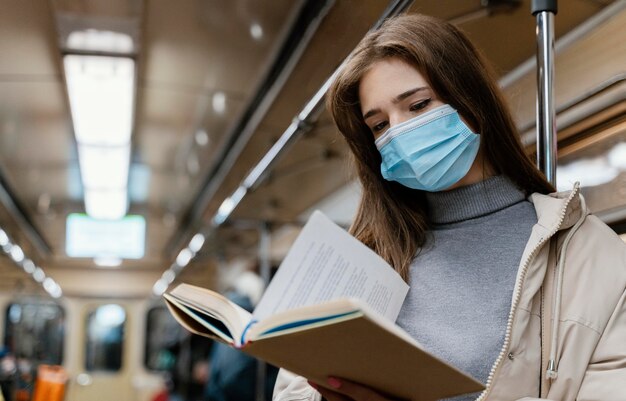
[(264, 271), (264, 253), (544, 10)]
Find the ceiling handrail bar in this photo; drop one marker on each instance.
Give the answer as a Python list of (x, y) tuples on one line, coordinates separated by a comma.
[(21, 218), (599, 89), (286, 61), (304, 120), (571, 37)]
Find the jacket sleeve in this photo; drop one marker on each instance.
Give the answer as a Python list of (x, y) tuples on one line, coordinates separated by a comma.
[(605, 377), (290, 387)]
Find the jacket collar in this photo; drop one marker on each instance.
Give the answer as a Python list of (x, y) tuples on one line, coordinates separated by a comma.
[(559, 210)]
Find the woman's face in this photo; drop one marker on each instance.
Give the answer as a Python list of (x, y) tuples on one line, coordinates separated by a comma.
[(391, 92)]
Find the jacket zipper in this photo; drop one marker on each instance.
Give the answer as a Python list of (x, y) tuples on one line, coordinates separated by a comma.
[(517, 297), (543, 329)]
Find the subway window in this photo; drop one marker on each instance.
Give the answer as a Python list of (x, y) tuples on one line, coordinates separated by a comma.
[(182, 357), (34, 331), (163, 335), (105, 338)]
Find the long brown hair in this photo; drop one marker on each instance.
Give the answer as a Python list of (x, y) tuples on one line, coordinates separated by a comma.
[(391, 218)]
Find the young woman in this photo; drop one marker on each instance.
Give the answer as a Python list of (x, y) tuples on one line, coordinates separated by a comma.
[(492, 256)]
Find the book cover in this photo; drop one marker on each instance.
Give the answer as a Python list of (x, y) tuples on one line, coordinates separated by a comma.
[(329, 311)]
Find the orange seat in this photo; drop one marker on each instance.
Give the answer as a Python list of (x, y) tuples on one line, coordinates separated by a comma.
[(50, 384)]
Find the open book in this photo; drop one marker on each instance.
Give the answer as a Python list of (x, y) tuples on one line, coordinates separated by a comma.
[(329, 311)]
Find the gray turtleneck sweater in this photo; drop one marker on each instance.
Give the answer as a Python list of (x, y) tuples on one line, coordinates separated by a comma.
[(462, 280)]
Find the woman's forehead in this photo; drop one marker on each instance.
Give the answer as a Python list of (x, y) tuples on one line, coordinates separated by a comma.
[(386, 79)]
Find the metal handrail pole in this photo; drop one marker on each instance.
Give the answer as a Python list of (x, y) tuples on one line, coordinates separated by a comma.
[(264, 272), (544, 11)]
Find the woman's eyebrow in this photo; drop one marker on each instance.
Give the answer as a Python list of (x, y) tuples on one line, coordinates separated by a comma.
[(408, 93), (370, 113), (398, 98)]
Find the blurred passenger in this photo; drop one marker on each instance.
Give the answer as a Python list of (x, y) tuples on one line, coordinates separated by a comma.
[(25, 378), (8, 369), (233, 374), (167, 393), (451, 200), (185, 356)]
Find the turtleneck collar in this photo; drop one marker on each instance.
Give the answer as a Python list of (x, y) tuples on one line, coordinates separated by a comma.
[(472, 201)]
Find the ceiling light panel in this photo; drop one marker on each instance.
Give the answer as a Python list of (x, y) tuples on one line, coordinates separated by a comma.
[(93, 40), (106, 204), (101, 93), (104, 167)]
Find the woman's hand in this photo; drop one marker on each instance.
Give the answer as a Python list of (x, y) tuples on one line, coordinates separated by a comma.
[(345, 390)]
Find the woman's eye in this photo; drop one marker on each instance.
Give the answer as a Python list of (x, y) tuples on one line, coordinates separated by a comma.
[(379, 127), (419, 105)]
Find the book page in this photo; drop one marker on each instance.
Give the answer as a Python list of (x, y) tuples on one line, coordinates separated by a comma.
[(213, 304), (325, 263)]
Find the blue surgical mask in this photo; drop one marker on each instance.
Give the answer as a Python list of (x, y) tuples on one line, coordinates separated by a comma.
[(430, 152)]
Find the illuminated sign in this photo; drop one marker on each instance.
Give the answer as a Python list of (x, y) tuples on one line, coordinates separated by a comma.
[(90, 238)]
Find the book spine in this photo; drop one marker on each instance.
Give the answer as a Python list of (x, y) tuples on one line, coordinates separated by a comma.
[(242, 340)]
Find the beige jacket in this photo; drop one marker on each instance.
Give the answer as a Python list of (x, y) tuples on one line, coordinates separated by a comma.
[(573, 269)]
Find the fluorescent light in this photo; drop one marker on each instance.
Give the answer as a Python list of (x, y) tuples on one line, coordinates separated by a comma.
[(219, 102), (103, 167), (228, 205), (52, 287), (101, 41), (184, 257), (49, 285), (7, 247), (107, 261), (168, 276), (256, 31), (28, 266), (106, 204), (4, 238), (196, 242), (39, 275), (201, 137), (101, 93), (16, 254), (159, 287), (57, 292)]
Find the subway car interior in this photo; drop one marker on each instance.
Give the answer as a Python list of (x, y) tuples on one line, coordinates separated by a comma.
[(146, 143)]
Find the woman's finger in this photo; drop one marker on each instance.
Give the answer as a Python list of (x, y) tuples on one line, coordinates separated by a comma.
[(329, 395), (355, 391)]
